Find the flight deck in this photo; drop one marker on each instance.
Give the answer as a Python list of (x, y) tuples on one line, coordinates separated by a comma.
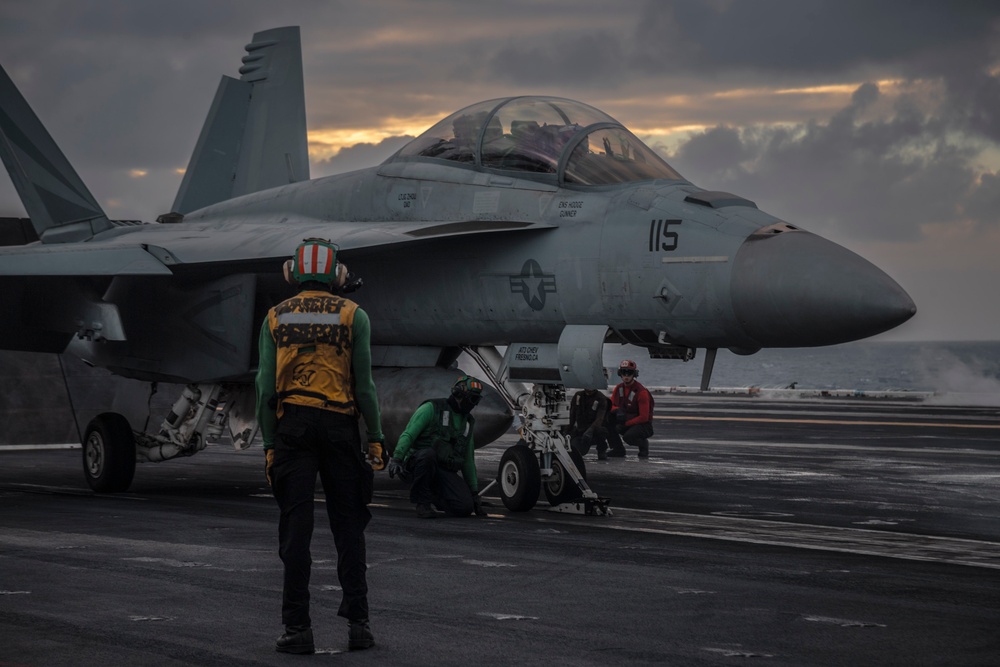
[(815, 532)]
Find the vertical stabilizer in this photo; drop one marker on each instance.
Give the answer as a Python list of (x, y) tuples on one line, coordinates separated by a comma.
[(60, 206), (255, 135)]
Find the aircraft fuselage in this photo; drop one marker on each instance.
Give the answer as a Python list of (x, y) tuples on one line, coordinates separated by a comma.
[(652, 261)]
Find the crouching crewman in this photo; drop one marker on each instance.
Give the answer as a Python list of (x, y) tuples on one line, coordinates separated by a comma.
[(435, 446)]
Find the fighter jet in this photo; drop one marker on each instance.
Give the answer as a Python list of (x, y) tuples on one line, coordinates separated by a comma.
[(525, 231)]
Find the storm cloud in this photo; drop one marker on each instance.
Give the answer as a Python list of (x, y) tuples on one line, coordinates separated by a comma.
[(874, 123), (879, 179)]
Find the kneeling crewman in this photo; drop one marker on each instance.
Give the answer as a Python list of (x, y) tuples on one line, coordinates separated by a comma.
[(586, 422), (435, 446), (631, 416)]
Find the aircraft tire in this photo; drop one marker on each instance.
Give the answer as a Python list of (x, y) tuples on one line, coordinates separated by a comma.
[(109, 453), (520, 478), (560, 487)]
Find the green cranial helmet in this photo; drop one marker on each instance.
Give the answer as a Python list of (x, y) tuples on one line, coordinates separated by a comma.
[(316, 259), (467, 386)]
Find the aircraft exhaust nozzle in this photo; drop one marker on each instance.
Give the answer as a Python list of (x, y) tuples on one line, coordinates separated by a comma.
[(795, 289)]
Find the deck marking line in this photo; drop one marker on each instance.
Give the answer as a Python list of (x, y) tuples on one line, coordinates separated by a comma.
[(828, 422)]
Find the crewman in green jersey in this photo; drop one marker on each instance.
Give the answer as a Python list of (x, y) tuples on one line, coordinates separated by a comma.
[(436, 445)]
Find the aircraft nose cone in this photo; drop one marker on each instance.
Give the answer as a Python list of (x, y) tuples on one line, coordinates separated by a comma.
[(796, 289)]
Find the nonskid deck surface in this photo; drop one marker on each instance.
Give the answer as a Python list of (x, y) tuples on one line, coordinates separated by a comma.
[(804, 532)]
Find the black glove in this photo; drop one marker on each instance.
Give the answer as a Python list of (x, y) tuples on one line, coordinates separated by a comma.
[(396, 469), (477, 505), (621, 418), (621, 428)]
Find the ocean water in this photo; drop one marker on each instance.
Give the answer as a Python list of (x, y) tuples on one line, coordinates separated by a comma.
[(967, 368)]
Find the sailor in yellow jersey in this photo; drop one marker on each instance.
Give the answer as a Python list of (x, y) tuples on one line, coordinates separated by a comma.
[(313, 379)]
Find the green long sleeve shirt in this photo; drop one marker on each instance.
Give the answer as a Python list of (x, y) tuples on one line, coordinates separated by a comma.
[(361, 367), (421, 419)]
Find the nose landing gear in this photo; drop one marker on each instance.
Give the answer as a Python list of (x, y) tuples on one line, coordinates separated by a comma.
[(544, 460)]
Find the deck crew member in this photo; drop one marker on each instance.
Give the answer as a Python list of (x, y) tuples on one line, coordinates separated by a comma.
[(631, 417), (435, 446), (313, 379), (587, 413)]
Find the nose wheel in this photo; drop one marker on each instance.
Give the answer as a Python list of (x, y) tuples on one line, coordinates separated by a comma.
[(560, 487), (520, 478)]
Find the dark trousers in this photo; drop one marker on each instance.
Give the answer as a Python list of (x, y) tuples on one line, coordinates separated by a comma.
[(313, 441), (434, 484), (582, 444), (636, 436)]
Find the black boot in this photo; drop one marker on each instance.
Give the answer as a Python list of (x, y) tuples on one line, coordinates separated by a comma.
[(297, 639), (359, 635), (427, 511)]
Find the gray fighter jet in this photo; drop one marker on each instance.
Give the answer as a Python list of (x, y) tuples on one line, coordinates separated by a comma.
[(525, 231)]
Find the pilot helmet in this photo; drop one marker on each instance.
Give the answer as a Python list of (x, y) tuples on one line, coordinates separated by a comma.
[(316, 260)]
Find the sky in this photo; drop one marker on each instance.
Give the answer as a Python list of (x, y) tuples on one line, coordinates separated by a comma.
[(873, 124)]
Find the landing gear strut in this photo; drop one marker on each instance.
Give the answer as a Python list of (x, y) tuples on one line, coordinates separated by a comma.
[(543, 457), (560, 487), (111, 448)]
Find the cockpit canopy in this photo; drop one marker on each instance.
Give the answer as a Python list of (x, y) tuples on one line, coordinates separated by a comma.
[(546, 138)]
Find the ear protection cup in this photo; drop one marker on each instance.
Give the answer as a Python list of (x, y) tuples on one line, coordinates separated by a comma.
[(341, 273), (462, 384), (289, 266)]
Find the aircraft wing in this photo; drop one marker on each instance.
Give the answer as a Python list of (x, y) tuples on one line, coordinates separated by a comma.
[(141, 281), (78, 259), (152, 249)]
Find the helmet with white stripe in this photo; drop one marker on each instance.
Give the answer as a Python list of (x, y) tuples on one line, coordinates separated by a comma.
[(316, 260), (628, 367)]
